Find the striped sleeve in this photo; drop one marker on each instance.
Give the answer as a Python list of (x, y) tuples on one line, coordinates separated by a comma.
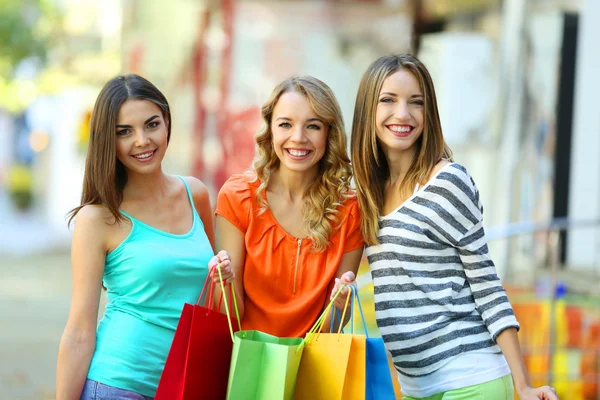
[(489, 295)]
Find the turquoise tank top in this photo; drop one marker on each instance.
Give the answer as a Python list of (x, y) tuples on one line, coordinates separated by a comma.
[(148, 277)]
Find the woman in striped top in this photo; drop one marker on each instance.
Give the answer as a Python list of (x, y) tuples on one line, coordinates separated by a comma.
[(439, 304)]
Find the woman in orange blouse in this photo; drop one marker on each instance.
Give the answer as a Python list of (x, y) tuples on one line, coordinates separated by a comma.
[(291, 225)]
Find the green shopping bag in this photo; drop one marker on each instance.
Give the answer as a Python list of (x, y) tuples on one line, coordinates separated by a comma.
[(263, 366)]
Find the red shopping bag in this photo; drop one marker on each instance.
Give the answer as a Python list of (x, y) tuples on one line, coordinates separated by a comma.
[(197, 366)]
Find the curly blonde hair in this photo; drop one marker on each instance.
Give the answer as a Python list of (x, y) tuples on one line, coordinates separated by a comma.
[(332, 186)]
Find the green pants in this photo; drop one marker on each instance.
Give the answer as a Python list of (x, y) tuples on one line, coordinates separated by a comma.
[(498, 389)]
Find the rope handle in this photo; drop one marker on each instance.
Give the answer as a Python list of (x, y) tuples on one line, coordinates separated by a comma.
[(340, 327), (207, 282), (360, 310), (211, 289), (232, 295), (356, 300), (320, 321), (334, 313)]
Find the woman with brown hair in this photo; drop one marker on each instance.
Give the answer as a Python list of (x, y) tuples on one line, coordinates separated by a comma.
[(439, 305), (147, 236), (291, 225)]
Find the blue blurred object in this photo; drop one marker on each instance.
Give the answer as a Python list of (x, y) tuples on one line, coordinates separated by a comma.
[(560, 291)]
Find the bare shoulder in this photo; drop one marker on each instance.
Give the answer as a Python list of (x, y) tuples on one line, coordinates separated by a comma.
[(201, 197), (197, 187), (95, 228), (94, 216)]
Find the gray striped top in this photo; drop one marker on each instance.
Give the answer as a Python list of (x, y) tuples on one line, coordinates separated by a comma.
[(437, 294)]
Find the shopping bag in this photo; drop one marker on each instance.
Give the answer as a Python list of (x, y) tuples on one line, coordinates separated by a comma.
[(333, 365), (197, 365), (378, 383), (263, 367)]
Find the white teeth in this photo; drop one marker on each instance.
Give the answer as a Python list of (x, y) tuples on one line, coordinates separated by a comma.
[(145, 155), (298, 153), (400, 128)]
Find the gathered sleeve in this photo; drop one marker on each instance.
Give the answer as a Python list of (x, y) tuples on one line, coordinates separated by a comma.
[(353, 236), (234, 202)]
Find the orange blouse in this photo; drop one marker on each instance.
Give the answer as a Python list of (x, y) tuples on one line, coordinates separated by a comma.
[(286, 283)]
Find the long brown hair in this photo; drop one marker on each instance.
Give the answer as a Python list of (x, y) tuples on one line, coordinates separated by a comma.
[(370, 166), (331, 187), (105, 176)]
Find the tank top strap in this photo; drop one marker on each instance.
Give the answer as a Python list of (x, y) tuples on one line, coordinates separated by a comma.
[(127, 215), (195, 216), (189, 192)]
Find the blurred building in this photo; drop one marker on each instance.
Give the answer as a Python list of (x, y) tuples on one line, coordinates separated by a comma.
[(516, 83), (515, 89), (218, 61), (41, 110), (504, 73)]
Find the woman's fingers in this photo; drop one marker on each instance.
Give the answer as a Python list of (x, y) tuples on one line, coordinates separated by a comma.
[(226, 272), (348, 277), (223, 255)]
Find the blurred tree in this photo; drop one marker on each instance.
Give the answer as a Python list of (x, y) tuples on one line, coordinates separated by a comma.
[(26, 28)]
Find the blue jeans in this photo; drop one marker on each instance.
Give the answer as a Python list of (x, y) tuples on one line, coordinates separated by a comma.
[(93, 390)]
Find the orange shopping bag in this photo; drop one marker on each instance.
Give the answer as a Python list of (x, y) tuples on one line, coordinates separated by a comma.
[(333, 365)]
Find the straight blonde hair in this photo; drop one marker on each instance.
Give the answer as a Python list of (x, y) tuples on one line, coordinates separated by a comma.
[(369, 164), (332, 185)]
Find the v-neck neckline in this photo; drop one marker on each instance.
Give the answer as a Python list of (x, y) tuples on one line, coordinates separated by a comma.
[(416, 193)]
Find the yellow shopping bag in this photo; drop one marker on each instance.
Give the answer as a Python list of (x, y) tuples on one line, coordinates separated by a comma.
[(333, 365)]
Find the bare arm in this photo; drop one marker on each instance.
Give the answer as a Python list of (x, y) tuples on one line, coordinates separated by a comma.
[(509, 344), (231, 239), (350, 263), (79, 337), (202, 204)]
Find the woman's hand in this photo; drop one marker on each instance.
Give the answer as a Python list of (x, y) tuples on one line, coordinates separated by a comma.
[(222, 261), (541, 393), (347, 278)]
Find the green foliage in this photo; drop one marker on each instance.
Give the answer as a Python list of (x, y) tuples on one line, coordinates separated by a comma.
[(26, 28)]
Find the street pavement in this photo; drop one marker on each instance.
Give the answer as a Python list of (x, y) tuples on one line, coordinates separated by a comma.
[(27, 232), (35, 293)]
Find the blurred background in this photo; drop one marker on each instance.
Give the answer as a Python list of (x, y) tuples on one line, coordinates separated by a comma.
[(516, 80)]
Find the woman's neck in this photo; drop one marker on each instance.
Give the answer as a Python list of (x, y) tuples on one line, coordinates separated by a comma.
[(145, 186), (291, 184), (399, 164)]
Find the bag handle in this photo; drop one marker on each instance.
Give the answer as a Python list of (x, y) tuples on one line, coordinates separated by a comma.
[(343, 316), (334, 313), (207, 282), (211, 288), (356, 300), (360, 310), (320, 321), (232, 297)]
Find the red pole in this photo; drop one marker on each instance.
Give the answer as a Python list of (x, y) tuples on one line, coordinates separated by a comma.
[(224, 114), (199, 61)]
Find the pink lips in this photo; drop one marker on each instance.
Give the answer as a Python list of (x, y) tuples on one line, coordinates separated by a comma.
[(298, 157), (146, 159), (400, 134)]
